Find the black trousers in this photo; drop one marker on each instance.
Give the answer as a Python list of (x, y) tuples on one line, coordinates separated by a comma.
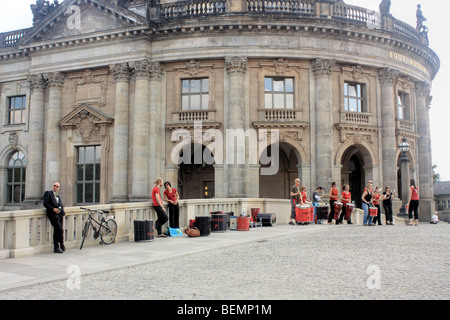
[(378, 217), (388, 212), (58, 231), (174, 215), (414, 206), (162, 218), (331, 215)]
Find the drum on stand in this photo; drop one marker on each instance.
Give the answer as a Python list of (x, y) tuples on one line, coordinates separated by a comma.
[(337, 209), (322, 212), (349, 210), (143, 230), (302, 213), (267, 219), (204, 225)]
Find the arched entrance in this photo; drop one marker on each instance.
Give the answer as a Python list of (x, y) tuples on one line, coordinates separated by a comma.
[(195, 176), (356, 170), (278, 185)]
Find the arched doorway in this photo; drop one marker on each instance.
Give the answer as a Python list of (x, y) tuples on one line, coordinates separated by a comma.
[(277, 186), (195, 176), (356, 170)]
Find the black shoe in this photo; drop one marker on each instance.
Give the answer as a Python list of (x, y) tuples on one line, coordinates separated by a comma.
[(57, 250), (63, 248)]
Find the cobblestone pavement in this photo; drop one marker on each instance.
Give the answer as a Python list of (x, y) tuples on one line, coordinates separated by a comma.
[(339, 262)]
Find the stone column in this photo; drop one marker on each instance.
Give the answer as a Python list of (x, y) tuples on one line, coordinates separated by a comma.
[(324, 122), (140, 166), (120, 157), (157, 125), (425, 183), (236, 68), (35, 156), (55, 82), (388, 79)]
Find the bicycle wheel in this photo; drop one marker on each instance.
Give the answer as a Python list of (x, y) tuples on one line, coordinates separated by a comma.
[(108, 231), (85, 232)]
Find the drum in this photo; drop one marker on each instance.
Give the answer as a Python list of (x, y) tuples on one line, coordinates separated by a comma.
[(218, 222), (267, 219), (311, 214), (373, 212), (302, 213), (322, 212), (337, 209), (204, 225), (255, 212), (243, 223), (349, 210), (143, 230)]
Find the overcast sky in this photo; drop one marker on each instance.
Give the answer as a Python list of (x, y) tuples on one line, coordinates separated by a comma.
[(17, 15)]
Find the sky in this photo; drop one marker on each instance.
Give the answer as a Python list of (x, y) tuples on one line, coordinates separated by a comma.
[(16, 15)]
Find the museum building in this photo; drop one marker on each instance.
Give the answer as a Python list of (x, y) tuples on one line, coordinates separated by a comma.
[(106, 96)]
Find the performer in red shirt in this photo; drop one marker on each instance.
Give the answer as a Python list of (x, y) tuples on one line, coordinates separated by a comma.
[(334, 196), (159, 208), (413, 203), (171, 196), (346, 197), (376, 203)]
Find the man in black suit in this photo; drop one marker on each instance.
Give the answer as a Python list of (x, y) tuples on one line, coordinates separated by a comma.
[(55, 213)]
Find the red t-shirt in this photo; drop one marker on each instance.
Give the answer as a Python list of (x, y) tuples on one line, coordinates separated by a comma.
[(346, 197), (414, 194), (304, 197), (334, 194), (376, 199), (154, 192), (171, 196)]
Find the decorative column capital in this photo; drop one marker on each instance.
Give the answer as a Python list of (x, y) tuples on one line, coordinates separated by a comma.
[(388, 76), (36, 82), (55, 79), (322, 67), (423, 89), (156, 70), (121, 72), (146, 70), (236, 65)]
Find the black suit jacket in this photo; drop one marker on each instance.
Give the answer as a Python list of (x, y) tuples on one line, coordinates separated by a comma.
[(49, 201)]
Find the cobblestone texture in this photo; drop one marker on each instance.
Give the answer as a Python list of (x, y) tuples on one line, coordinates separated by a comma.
[(342, 262)]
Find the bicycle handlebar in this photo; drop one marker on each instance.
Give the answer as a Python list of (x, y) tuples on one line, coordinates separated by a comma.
[(98, 211)]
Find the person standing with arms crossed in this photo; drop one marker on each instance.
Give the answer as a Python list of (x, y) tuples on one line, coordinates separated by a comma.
[(159, 208), (55, 213)]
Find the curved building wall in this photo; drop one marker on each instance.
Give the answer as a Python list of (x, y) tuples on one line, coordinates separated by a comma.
[(130, 91)]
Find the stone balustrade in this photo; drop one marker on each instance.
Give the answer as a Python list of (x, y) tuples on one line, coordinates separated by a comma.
[(294, 9)]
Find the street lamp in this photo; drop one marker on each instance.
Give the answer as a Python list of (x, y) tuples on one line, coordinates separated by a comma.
[(404, 167)]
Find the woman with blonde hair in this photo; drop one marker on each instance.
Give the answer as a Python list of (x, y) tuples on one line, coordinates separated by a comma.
[(367, 202), (159, 208)]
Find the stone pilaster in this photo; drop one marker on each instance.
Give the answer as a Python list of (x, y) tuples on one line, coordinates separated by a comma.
[(236, 68), (426, 194), (140, 165), (35, 156), (120, 156), (55, 82), (388, 79), (324, 123)]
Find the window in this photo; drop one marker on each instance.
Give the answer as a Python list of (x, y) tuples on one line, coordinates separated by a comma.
[(403, 109), (353, 97), (16, 171), (195, 94), (16, 110), (279, 93), (88, 174)]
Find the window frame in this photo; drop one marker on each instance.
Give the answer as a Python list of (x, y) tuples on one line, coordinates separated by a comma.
[(12, 111), (84, 182), (360, 100), (201, 93), (273, 93), (21, 184), (404, 98)]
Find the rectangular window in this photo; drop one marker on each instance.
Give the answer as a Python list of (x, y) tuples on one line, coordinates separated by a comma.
[(354, 97), (16, 178), (16, 110), (88, 174), (279, 93), (403, 109), (195, 94)]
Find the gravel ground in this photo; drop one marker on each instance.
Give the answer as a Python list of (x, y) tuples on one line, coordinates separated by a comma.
[(343, 262)]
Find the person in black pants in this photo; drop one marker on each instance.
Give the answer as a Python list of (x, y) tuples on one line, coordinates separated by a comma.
[(387, 204), (171, 196), (55, 213), (159, 208)]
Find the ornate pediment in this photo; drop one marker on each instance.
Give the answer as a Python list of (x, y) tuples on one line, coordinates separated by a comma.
[(74, 18), (88, 124)]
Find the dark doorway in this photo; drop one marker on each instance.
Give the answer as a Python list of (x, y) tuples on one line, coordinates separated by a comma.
[(355, 180)]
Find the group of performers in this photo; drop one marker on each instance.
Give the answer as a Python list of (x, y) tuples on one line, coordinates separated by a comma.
[(340, 205)]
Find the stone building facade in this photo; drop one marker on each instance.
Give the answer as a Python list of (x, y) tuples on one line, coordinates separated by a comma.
[(106, 96)]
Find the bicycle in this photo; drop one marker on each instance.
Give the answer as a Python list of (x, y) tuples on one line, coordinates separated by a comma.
[(106, 227)]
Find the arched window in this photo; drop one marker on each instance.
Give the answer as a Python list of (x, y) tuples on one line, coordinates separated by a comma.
[(15, 184)]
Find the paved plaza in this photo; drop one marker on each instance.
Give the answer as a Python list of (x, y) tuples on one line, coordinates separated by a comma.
[(279, 263)]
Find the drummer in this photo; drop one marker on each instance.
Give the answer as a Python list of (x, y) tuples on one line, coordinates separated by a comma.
[(304, 195), (316, 199), (295, 199), (334, 197), (346, 197)]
